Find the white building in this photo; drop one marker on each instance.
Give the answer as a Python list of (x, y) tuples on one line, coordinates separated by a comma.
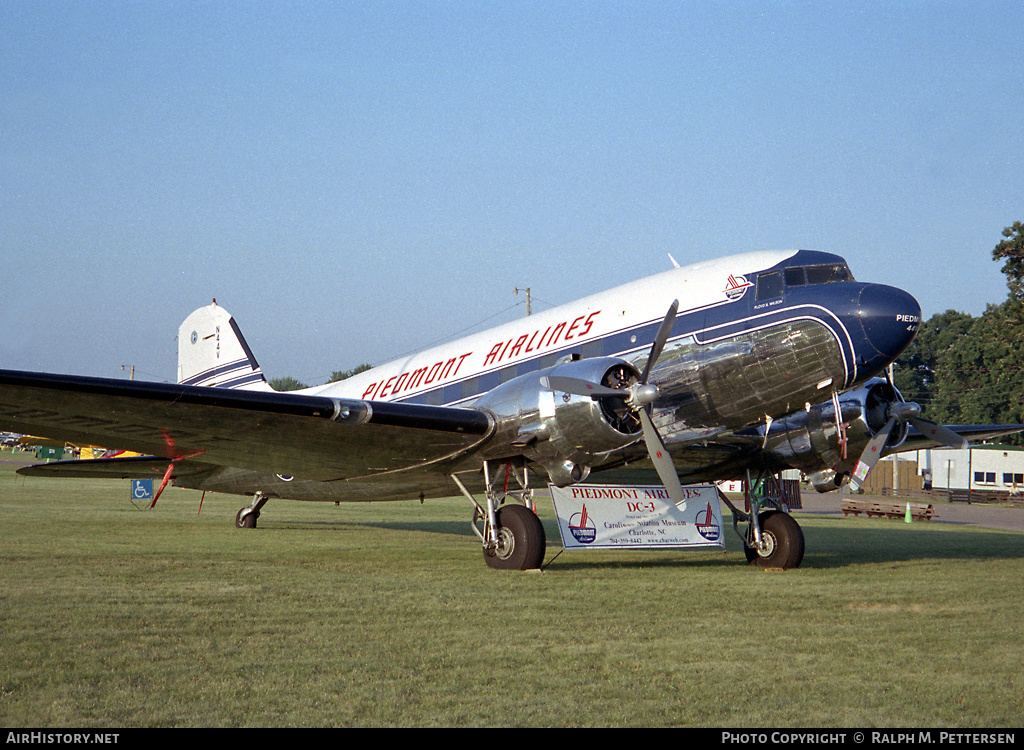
[(982, 467)]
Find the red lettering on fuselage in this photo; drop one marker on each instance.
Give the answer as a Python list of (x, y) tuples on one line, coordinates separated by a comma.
[(519, 346), (493, 353), (407, 381), (516, 346), (526, 343), (555, 334), (575, 323)]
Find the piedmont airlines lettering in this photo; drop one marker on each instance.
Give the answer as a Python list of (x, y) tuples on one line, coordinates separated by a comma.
[(411, 380), (439, 371), (735, 368)]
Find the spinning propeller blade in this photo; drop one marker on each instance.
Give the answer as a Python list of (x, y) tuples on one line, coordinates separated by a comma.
[(662, 459), (871, 454)]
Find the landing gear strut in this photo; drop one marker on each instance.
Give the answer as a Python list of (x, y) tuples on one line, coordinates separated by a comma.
[(247, 516), (512, 536), (773, 539)]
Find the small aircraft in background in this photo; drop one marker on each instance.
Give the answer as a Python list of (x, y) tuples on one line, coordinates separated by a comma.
[(59, 447), (737, 368)]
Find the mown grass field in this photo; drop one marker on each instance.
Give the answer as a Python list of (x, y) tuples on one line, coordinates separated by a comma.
[(385, 615)]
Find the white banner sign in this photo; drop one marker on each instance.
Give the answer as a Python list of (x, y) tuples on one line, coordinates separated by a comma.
[(602, 516)]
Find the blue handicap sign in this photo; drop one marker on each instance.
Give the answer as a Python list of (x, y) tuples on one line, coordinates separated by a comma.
[(142, 489)]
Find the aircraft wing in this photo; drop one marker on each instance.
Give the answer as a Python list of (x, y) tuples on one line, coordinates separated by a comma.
[(972, 433), (311, 437)]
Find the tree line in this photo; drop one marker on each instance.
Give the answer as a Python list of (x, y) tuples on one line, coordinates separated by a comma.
[(970, 370), (291, 384)]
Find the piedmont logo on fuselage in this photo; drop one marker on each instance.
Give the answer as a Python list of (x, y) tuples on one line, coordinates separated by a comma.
[(706, 525), (736, 287), (581, 527)]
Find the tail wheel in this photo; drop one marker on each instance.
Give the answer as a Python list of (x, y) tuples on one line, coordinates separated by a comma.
[(783, 542), (246, 518), (521, 540)]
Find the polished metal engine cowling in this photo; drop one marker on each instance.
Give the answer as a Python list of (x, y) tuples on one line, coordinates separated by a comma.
[(812, 440), (563, 432)]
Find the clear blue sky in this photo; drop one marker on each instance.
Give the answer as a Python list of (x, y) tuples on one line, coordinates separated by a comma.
[(355, 179)]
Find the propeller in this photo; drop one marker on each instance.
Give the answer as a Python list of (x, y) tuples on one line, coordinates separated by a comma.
[(637, 395), (901, 412), (638, 398)]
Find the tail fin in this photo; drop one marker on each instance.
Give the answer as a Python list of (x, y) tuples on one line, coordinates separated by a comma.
[(213, 352)]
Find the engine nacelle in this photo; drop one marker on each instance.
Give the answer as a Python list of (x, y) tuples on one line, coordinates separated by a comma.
[(563, 432), (826, 480), (826, 448)]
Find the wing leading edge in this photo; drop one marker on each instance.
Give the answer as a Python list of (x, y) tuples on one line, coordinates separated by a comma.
[(312, 437), (972, 433)]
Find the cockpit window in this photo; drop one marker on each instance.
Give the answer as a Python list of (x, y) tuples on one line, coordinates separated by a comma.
[(828, 274), (769, 285)]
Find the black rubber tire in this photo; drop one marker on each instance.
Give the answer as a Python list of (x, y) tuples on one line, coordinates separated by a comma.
[(522, 540), (245, 520), (785, 540)]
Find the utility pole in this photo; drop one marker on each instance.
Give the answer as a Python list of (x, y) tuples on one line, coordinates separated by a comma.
[(527, 291)]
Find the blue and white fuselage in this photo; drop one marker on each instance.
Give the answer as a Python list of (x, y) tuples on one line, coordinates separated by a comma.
[(742, 298), (758, 337)]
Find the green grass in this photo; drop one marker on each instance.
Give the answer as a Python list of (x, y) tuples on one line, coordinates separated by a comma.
[(385, 615)]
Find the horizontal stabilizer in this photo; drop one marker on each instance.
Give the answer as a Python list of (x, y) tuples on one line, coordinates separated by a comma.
[(128, 467)]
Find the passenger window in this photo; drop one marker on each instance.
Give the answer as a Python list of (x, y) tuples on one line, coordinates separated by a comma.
[(470, 387), (769, 285), (592, 349)]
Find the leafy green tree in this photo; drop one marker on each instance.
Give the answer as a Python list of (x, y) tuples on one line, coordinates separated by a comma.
[(916, 371), (291, 384), (1011, 251), (345, 374), (286, 384), (968, 370), (971, 383)]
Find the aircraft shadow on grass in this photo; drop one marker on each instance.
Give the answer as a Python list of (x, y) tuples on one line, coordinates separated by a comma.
[(456, 528), (837, 543)]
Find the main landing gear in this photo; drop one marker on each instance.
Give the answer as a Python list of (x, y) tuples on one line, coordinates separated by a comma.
[(773, 539), (512, 536)]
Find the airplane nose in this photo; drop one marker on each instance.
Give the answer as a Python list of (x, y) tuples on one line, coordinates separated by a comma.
[(889, 318)]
